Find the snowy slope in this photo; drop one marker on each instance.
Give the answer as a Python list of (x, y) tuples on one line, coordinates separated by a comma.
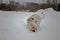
[(13, 26)]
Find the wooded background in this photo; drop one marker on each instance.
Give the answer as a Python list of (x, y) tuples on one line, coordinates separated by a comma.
[(12, 5)]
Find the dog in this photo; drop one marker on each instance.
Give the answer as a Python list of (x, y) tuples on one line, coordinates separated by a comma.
[(34, 21)]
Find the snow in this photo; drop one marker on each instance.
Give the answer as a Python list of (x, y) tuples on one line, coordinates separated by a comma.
[(13, 26), (46, 10)]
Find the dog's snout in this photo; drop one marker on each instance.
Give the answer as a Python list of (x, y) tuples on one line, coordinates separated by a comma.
[(33, 30)]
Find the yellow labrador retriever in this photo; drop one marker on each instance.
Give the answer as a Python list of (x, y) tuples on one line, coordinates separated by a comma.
[(34, 21)]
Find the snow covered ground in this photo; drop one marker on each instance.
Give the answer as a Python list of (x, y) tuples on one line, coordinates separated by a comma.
[(13, 26)]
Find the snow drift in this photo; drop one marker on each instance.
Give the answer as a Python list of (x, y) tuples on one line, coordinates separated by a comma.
[(13, 26)]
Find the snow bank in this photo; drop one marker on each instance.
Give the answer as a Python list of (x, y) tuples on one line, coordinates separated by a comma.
[(13, 26), (48, 9)]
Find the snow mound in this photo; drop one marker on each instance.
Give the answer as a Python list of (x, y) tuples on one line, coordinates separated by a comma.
[(41, 10), (50, 9), (13, 25), (46, 10)]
